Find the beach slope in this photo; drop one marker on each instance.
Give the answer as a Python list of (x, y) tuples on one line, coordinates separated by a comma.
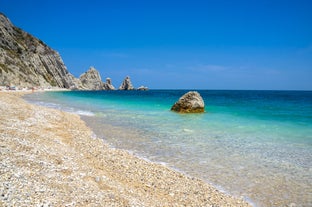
[(51, 158)]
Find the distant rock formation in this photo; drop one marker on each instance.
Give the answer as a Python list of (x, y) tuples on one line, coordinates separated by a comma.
[(26, 61), (126, 84), (91, 80), (108, 84), (190, 102), (142, 88)]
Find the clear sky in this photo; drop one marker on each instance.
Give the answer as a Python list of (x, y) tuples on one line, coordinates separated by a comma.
[(209, 44)]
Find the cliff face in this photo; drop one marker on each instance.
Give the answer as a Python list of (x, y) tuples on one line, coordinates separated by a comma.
[(26, 61)]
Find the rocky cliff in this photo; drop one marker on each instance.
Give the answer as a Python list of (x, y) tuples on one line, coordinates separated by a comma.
[(26, 61)]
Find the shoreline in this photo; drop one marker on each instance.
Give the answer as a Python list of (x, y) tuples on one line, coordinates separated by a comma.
[(52, 158)]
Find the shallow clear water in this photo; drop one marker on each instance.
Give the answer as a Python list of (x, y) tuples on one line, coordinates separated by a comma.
[(255, 144)]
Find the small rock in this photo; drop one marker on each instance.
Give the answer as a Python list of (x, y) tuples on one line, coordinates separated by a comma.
[(97, 179), (142, 88)]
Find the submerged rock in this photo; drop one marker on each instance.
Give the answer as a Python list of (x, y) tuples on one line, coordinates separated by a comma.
[(191, 102), (126, 84)]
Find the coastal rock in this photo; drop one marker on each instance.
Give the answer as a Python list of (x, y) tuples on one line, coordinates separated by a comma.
[(142, 88), (108, 84), (76, 83), (26, 61), (126, 84), (190, 102), (91, 80)]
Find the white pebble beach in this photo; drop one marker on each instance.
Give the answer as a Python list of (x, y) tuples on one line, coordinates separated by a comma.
[(51, 158)]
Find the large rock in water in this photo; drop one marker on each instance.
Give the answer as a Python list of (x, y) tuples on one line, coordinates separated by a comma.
[(91, 80), (26, 61), (126, 84), (190, 102)]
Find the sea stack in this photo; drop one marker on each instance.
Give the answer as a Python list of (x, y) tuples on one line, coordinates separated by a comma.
[(126, 84), (91, 80), (191, 102), (108, 84)]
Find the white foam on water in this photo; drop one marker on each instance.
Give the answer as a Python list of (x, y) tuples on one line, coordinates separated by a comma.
[(47, 104), (63, 108), (84, 113)]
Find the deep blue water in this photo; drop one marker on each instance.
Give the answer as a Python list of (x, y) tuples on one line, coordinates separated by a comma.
[(255, 144)]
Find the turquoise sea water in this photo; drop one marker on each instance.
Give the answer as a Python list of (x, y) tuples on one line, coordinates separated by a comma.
[(254, 144)]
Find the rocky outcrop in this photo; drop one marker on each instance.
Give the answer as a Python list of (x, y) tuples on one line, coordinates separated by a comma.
[(190, 102), (142, 88), (26, 61), (91, 80), (126, 84), (77, 85), (108, 84)]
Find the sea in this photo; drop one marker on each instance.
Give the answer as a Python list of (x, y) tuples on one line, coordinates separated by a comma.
[(255, 145)]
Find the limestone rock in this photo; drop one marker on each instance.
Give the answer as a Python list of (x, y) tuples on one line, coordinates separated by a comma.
[(26, 61), (91, 80), (142, 88), (108, 84), (126, 84), (76, 83), (191, 102)]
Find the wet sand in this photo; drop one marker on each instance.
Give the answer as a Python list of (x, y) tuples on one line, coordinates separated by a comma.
[(51, 158)]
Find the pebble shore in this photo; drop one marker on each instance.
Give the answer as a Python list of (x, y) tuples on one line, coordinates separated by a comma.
[(51, 158)]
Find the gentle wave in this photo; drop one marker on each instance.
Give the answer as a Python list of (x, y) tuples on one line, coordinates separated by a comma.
[(84, 113), (63, 108)]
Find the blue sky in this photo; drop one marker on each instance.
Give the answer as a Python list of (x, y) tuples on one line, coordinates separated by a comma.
[(212, 44)]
